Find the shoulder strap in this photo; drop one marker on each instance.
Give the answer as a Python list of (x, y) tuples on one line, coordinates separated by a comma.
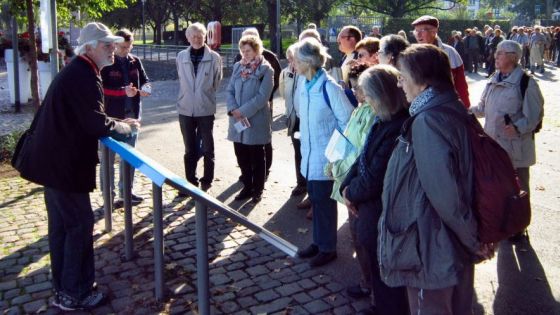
[(326, 94), (524, 84)]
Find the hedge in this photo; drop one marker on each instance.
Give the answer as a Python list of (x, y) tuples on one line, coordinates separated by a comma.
[(8, 144)]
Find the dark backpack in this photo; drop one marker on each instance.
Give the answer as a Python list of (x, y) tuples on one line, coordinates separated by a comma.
[(501, 208), (523, 85)]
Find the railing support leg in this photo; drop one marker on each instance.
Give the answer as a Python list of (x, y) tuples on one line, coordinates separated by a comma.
[(158, 241), (107, 192), (127, 194), (201, 217)]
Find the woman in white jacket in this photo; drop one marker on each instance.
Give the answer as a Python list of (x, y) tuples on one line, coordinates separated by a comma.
[(288, 84), (323, 108)]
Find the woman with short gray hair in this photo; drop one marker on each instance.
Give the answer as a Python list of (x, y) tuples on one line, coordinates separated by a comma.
[(363, 185), (511, 118), (324, 108)]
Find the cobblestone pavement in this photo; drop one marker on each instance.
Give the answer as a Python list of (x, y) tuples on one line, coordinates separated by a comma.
[(248, 275)]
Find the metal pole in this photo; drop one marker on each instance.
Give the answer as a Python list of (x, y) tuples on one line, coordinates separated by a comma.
[(201, 218), (54, 41), (143, 25), (127, 194), (107, 198), (158, 241), (15, 50), (278, 30)]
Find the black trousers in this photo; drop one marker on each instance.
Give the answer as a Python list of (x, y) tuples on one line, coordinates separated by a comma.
[(70, 223), (388, 300), (252, 162), (197, 130)]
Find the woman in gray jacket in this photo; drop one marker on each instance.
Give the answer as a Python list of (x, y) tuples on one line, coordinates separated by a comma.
[(428, 232), (249, 123)]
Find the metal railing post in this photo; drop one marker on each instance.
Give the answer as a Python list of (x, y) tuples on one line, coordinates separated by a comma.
[(107, 192), (158, 241), (201, 218), (144, 49), (127, 194)]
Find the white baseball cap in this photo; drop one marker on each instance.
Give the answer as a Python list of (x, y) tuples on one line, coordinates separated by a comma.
[(98, 31)]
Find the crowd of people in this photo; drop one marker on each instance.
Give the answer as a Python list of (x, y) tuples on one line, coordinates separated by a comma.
[(382, 132), (477, 47)]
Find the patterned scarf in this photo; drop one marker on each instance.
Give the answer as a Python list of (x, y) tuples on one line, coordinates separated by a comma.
[(248, 67), (421, 100)]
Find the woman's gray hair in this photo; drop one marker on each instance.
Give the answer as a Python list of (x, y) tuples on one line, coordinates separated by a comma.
[(82, 49), (510, 46), (196, 27), (291, 50), (251, 31), (309, 33), (379, 85), (311, 52)]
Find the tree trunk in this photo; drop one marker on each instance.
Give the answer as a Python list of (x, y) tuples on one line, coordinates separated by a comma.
[(271, 10), (33, 54), (176, 27), (217, 10)]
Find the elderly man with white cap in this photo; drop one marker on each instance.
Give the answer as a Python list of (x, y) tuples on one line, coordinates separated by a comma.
[(426, 32), (61, 155)]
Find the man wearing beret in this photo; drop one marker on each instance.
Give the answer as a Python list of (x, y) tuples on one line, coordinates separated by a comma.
[(425, 30), (61, 155)]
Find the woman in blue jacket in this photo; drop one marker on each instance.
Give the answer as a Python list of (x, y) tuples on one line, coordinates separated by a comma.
[(324, 108)]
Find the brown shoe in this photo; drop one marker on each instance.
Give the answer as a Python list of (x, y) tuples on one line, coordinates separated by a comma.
[(305, 204), (309, 215)]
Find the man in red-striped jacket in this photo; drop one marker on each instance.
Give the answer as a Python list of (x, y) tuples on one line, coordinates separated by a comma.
[(425, 30), (124, 82)]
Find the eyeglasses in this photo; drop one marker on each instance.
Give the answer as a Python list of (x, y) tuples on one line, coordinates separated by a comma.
[(424, 30), (360, 55)]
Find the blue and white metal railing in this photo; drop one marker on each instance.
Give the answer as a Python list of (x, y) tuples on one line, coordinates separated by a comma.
[(160, 176)]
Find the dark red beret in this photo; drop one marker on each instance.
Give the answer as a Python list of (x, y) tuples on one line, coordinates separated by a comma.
[(426, 19)]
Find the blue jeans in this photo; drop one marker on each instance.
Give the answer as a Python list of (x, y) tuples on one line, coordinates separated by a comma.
[(324, 214), (132, 142), (70, 222)]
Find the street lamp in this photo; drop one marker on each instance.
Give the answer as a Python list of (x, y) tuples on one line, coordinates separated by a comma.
[(143, 24)]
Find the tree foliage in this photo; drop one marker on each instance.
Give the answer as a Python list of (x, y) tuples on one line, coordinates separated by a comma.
[(402, 8)]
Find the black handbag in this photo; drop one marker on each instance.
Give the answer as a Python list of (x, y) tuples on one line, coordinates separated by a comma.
[(23, 145), (21, 149)]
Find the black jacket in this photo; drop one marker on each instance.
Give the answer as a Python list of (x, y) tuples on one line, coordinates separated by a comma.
[(364, 188), (62, 150), (113, 86)]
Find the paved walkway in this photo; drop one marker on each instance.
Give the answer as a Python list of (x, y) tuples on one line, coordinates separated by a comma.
[(247, 274)]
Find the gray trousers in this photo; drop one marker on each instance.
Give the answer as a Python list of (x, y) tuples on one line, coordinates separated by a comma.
[(455, 300)]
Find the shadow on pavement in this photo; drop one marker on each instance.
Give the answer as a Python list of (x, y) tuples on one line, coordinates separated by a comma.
[(19, 198), (522, 284)]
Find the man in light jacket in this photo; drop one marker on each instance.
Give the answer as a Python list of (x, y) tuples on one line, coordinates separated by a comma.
[(200, 73)]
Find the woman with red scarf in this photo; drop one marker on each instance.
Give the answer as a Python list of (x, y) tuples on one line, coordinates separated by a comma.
[(248, 92)]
